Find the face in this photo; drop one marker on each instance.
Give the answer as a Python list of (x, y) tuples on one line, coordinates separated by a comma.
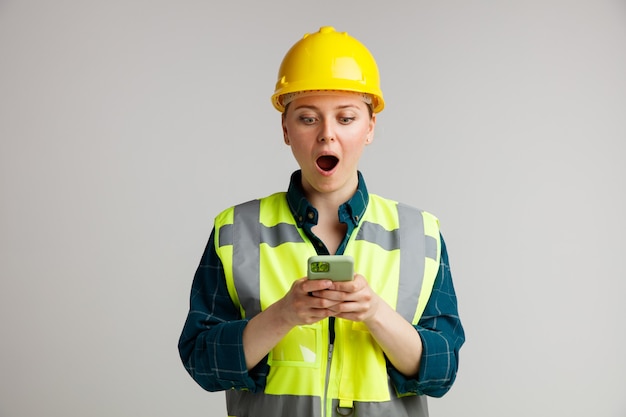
[(327, 135)]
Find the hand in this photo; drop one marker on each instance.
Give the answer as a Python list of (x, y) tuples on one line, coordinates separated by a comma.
[(354, 300), (298, 307)]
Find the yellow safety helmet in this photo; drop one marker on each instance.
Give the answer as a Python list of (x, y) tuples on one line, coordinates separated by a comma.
[(328, 60)]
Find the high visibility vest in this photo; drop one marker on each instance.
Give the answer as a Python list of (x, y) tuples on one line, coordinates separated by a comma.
[(263, 251)]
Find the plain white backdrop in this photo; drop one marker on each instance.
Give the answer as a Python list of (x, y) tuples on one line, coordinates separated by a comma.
[(126, 126)]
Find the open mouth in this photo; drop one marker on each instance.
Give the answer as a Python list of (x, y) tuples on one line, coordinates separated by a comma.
[(327, 162)]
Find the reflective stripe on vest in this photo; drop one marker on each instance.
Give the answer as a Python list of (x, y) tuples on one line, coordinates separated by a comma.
[(410, 232), (245, 235), (240, 404), (260, 239)]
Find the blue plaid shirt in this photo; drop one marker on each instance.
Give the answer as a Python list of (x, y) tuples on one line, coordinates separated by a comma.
[(211, 347)]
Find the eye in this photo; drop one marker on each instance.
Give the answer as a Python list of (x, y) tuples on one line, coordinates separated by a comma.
[(307, 120), (346, 120)]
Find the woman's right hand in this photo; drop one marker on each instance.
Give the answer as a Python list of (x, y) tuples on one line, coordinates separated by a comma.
[(299, 306)]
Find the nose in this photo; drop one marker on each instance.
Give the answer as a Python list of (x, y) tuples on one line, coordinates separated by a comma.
[(327, 132)]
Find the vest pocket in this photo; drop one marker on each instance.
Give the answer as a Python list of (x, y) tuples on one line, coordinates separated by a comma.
[(363, 373), (301, 347)]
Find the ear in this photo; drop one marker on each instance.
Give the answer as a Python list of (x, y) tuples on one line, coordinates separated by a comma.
[(285, 134), (370, 132)]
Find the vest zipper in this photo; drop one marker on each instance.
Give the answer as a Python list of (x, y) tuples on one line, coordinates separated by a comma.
[(330, 359)]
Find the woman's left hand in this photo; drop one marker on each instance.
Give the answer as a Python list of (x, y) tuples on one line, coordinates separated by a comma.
[(396, 336), (358, 302)]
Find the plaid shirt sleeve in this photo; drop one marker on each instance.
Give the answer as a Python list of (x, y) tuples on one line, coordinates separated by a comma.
[(210, 345), (442, 336)]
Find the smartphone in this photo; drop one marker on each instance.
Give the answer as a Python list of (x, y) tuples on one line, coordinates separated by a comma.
[(333, 267)]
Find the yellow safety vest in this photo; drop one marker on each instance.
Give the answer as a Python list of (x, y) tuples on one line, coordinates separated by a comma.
[(395, 247)]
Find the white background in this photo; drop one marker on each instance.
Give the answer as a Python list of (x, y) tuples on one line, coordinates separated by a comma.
[(125, 126)]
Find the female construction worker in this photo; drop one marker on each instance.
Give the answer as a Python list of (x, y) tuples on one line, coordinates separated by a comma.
[(280, 344)]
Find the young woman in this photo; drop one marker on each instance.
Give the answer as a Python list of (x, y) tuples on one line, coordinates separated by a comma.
[(283, 345)]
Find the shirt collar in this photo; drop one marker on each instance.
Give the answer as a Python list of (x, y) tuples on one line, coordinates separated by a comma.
[(303, 212)]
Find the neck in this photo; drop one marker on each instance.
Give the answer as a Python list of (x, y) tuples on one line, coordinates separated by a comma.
[(330, 201)]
